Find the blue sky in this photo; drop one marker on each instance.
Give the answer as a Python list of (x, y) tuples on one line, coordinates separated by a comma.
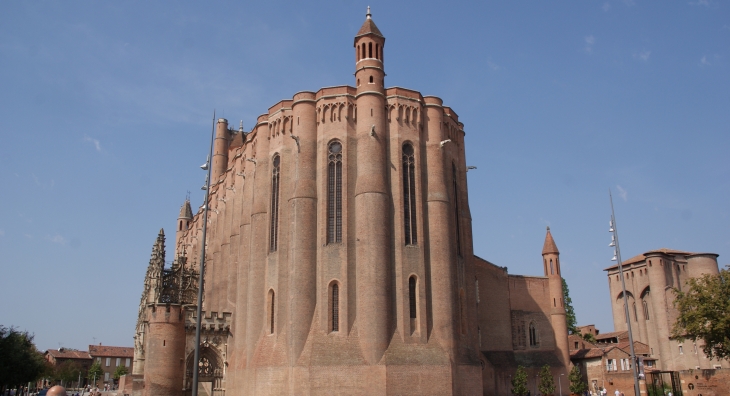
[(105, 112)]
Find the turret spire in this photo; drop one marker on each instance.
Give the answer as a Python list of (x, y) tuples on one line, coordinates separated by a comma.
[(550, 246), (369, 15)]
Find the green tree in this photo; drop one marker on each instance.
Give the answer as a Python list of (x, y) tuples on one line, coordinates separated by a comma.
[(68, 371), (576, 381), (589, 337), (704, 313), (569, 311), (547, 382), (20, 361), (519, 382), (120, 371), (95, 371)]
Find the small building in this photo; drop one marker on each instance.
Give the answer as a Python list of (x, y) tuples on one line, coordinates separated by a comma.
[(111, 357), (80, 360), (607, 364)]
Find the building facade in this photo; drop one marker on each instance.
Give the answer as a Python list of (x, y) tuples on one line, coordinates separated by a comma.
[(650, 281), (340, 259), (109, 358)]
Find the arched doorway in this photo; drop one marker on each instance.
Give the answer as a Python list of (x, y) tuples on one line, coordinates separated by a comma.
[(210, 373)]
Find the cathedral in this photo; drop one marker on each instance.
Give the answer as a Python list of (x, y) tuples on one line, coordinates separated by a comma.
[(339, 260)]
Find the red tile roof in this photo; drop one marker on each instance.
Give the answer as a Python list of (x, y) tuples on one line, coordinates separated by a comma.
[(110, 351), (613, 334), (68, 354)]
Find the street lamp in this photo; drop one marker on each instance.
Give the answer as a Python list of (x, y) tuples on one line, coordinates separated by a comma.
[(560, 384), (617, 257), (196, 356)]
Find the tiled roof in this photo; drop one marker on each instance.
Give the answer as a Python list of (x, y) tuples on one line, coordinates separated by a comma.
[(369, 27), (68, 354), (549, 246), (613, 334), (111, 351), (642, 257), (586, 353), (639, 347)]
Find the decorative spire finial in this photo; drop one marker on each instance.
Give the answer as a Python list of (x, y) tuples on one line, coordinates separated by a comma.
[(368, 15), (548, 228)]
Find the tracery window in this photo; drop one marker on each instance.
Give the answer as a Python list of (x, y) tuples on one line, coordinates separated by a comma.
[(334, 193), (409, 194), (533, 335), (274, 230)]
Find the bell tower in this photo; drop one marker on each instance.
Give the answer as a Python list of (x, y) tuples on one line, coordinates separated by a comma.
[(183, 223), (369, 70), (551, 264)]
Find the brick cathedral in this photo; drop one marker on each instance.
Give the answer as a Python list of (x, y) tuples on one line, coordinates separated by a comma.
[(340, 260)]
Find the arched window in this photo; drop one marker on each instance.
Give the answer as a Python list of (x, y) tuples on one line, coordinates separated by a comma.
[(334, 193), (533, 335), (376, 51), (274, 229), (363, 51), (646, 309), (457, 221), (335, 307), (551, 267), (636, 317), (409, 194), (371, 81), (370, 50), (412, 296), (271, 314)]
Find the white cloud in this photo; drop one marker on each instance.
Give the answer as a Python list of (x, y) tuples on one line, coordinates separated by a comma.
[(2, 233), (704, 61), (643, 55), (57, 239), (622, 193), (705, 3), (606, 7), (590, 40), (95, 142), (493, 65)]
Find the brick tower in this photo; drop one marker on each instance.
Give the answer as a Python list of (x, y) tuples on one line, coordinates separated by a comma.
[(551, 263)]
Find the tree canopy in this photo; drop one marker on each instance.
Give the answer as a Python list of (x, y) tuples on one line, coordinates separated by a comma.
[(569, 311), (704, 313), (95, 371), (547, 382), (577, 385), (519, 382), (20, 361), (120, 371)]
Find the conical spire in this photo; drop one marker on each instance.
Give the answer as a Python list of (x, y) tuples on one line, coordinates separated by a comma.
[(186, 212), (368, 27), (550, 246)]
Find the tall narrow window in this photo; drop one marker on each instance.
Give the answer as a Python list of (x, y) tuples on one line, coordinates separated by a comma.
[(377, 47), (273, 238), (636, 317), (412, 296), (551, 267), (370, 50), (457, 222), (409, 194), (334, 193), (646, 310), (533, 335), (271, 330), (335, 307)]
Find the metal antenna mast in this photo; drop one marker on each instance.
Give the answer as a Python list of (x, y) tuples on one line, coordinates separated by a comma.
[(196, 356), (617, 256)]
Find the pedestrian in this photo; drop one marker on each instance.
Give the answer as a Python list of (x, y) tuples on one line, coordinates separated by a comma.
[(617, 393)]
